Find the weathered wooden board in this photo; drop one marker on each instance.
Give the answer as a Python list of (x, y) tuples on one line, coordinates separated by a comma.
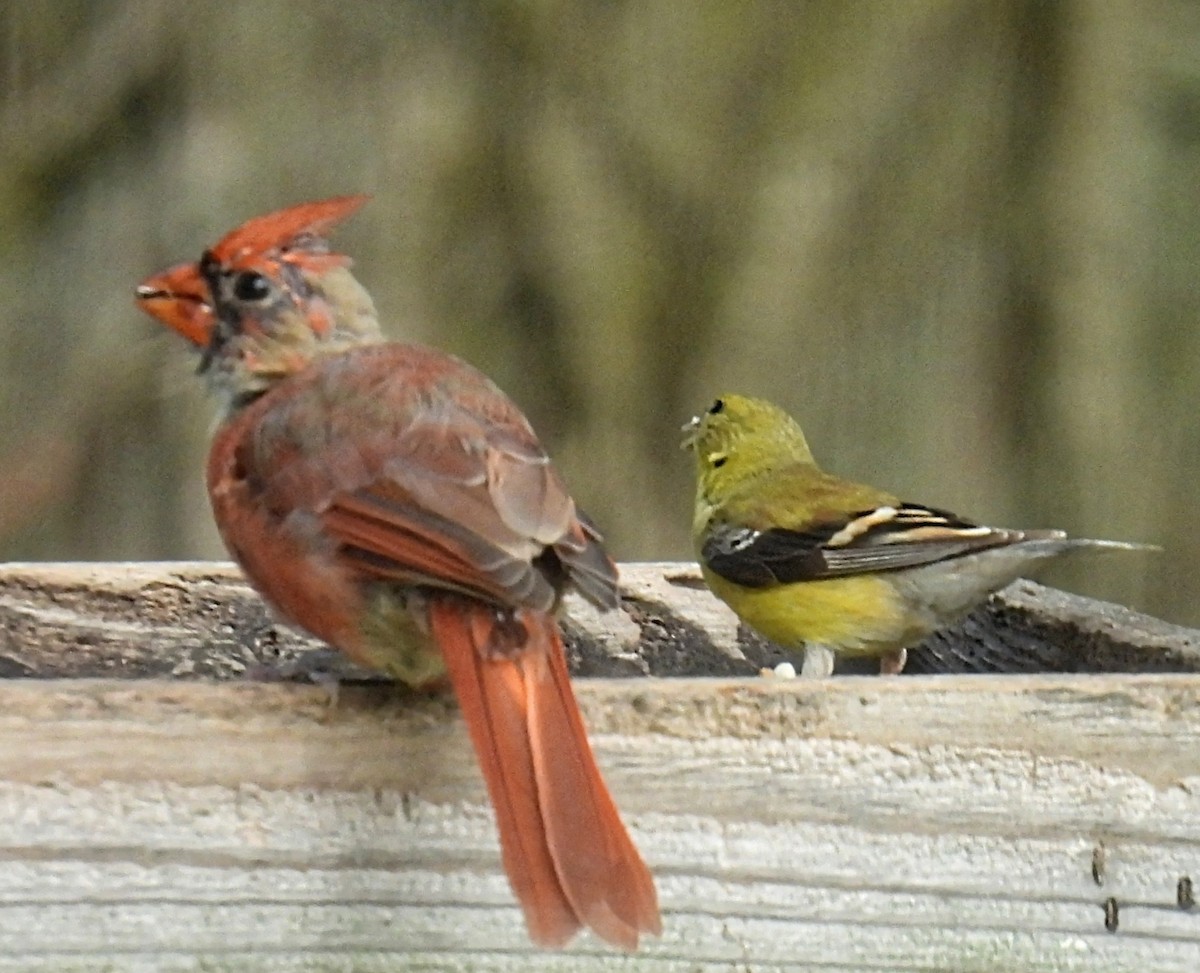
[(201, 620), (858, 824)]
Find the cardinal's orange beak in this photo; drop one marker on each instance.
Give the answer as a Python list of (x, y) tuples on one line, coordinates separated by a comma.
[(178, 297)]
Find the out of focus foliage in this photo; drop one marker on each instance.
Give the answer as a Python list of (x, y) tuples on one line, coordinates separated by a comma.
[(957, 239)]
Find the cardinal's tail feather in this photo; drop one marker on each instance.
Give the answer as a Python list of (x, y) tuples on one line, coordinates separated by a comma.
[(492, 697), (601, 870), (568, 857)]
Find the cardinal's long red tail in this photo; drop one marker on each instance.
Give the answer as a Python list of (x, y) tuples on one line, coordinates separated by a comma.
[(569, 858)]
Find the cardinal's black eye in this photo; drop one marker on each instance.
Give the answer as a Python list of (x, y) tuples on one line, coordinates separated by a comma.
[(251, 286), (716, 407)]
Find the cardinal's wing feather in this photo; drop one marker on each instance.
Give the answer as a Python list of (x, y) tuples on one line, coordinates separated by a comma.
[(438, 480)]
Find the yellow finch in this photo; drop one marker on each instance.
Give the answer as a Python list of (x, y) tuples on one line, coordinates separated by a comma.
[(818, 563)]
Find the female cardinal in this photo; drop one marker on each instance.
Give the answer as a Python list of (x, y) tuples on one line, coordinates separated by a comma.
[(391, 500)]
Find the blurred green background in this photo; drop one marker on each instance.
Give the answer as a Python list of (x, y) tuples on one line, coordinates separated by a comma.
[(957, 239)]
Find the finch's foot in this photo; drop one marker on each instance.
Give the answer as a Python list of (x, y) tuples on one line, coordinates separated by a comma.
[(818, 662), (892, 663)]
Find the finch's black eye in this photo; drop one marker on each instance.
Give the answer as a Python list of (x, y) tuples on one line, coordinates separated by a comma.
[(716, 407), (251, 286)]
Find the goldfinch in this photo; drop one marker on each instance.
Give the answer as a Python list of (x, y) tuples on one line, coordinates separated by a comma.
[(826, 566)]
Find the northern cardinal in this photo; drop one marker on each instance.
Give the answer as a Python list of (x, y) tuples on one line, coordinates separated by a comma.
[(391, 500)]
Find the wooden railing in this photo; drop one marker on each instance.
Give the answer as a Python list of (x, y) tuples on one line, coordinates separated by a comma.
[(164, 805)]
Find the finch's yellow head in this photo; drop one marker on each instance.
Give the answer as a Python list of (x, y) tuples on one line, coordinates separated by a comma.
[(739, 438)]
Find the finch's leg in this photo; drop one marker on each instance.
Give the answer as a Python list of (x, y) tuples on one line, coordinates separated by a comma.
[(818, 662), (892, 663)]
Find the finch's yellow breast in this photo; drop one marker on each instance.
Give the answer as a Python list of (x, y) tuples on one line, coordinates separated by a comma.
[(858, 615)]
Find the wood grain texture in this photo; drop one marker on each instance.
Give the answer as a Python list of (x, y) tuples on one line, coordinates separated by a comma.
[(861, 824), (187, 620)]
